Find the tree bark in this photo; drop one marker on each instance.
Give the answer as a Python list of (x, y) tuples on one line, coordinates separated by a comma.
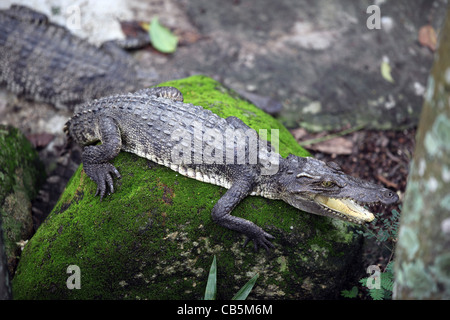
[(422, 263)]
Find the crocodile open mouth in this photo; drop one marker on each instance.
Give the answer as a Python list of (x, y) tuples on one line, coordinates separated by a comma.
[(346, 208)]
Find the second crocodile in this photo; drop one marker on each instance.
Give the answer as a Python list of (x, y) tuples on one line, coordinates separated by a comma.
[(45, 62)]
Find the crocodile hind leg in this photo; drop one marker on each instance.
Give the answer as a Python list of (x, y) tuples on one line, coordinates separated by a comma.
[(221, 214), (23, 13), (171, 93), (138, 40), (95, 158)]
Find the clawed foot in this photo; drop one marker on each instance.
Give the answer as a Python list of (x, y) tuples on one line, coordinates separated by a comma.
[(101, 174), (261, 240)]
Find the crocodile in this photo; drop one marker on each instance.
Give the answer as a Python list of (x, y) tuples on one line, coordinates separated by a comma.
[(156, 124), (45, 62)]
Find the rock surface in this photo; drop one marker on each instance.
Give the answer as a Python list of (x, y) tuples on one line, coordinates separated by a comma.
[(154, 237)]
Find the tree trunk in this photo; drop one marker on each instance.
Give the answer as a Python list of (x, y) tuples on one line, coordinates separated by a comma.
[(422, 269)]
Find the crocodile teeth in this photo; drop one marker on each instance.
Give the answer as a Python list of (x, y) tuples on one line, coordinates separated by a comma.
[(346, 207)]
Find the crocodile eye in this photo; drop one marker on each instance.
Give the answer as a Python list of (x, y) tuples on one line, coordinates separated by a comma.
[(327, 184)]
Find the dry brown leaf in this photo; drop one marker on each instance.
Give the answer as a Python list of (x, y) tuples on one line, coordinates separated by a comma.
[(132, 29), (428, 37), (337, 146), (40, 140), (299, 133)]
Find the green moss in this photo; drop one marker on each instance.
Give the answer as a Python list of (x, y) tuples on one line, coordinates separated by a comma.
[(16, 153), (154, 237), (21, 173)]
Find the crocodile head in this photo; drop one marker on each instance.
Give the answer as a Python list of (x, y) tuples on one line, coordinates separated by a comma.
[(323, 188)]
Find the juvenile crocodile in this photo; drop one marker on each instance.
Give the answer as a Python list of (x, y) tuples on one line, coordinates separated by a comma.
[(43, 61), (157, 125)]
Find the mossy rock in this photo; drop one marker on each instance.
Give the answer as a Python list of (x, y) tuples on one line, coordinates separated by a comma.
[(154, 237), (21, 174)]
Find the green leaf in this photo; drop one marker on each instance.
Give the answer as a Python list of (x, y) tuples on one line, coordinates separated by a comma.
[(211, 285), (363, 281), (350, 293), (162, 39), (245, 290), (390, 267), (386, 71), (387, 280), (376, 294), (388, 285)]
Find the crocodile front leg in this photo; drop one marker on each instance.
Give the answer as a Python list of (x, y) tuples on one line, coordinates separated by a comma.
[(221, 214), (95, 158)]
